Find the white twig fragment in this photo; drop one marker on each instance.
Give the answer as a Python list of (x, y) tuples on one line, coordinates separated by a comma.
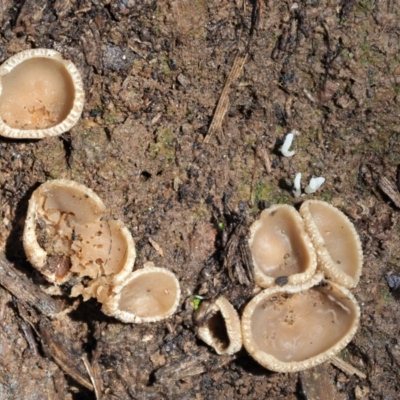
[(314, 185), (287, 143), (297, 185), (157, 247)]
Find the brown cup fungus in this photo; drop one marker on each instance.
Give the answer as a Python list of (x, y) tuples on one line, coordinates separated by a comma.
[(281, 248), (219, 326), (66, 239), (289, 329), (41, 95), (335, 240), (149, 294)]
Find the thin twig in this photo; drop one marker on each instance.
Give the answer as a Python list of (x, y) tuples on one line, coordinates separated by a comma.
[(96, 385), (346, 367), (223, 102)]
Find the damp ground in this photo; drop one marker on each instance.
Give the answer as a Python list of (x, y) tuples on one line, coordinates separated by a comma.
[(153, 73)]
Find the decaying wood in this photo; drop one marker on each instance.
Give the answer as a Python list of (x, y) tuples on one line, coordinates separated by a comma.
[(317, 384), (93, 377), (54, 345), (190, 366), (223, 102), (25, 290), (237, 258), (388, 188), (346, 367), (263, 155), (156, 247), (180, 369), (57, 347)]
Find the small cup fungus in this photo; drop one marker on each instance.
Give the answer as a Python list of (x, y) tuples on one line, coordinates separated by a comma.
[(281, 247), (147, 295), (220, 326), (335, 240), (294, 328), (65, 237), (41, 95)]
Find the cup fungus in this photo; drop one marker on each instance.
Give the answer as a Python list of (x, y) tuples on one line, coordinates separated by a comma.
[(293, 328), (280, 247), (65, 238), (335, 240), (41, 95), (219, 326), (147, 295)]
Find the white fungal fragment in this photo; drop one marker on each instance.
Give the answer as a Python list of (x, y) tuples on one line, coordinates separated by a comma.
[(287, 143), (297, 185), (314, 185)]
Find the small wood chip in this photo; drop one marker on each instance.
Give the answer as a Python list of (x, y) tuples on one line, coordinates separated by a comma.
[(190, 366), (346, 367), (393, 281), (263, 155), (389, 189), (157, 247)]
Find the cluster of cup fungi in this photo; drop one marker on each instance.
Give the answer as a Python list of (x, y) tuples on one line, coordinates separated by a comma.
[(304, 262), (66, 236), (304, 313)]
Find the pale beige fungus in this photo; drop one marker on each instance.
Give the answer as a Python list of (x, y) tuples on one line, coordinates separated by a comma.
[(65, 235), (280, 246), (40, 94), (147, 295), (220, 326), (68, 239), (336, 242), (287, 329)]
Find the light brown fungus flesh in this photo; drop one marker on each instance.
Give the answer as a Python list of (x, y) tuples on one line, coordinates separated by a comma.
[(64, 234), (336, 241), (295, 328), (280, 247), (36, 94), (148, 295), (302, 325)]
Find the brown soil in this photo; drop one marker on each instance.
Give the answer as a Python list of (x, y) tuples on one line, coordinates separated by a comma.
[(153, 73)]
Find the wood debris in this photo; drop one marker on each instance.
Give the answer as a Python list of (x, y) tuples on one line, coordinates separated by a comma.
[(26, 291), (54, 345), (57, 346), (156, 247), (95, 379), (389, 189), (189, 366), (346, 367), (237, 257), (223, 102)]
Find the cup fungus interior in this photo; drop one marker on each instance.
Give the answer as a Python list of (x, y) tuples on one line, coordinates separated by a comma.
[(299, 326), (340, 240), (219, 325), (150, 295), (216, 326), (277, 244), (38, 93), (69, 229)]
